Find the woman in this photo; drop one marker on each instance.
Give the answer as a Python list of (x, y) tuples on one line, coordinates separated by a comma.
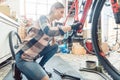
[(37, 44)]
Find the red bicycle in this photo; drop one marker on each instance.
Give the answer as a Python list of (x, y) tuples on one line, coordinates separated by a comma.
[(83, 10)]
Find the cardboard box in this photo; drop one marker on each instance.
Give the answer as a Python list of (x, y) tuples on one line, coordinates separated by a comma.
[(5, 9)]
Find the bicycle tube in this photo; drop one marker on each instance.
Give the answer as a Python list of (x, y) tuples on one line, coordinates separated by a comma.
[(13, 34), (87, 6), (85, 11), (112, 71)]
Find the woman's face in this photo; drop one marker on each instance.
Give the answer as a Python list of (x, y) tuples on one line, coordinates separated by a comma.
[(59, 13)]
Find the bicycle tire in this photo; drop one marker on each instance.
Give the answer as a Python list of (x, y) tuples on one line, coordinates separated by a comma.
[(12, 44), (112, 71)]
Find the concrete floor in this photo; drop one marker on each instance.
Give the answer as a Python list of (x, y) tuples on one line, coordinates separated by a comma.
[(76, 61)]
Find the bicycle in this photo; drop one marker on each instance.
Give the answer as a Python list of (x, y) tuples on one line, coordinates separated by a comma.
[(107, 62), (85, 7)]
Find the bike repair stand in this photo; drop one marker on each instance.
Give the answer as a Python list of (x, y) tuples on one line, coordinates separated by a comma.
[(91, 67)]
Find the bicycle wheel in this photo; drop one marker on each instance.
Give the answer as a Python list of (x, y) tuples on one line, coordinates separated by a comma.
[(106, 62), (14, 42)]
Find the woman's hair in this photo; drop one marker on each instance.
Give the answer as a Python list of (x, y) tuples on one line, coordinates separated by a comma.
[(56, 5)]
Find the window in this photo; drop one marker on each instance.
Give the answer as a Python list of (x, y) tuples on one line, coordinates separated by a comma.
[(35, 8)]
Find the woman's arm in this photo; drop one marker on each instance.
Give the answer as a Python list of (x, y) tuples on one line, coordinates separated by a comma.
[(50, 30)]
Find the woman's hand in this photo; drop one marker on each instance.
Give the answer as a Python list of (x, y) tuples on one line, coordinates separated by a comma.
[(76, 26)]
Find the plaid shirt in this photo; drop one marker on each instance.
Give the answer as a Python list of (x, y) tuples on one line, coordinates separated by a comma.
[(38, 39)]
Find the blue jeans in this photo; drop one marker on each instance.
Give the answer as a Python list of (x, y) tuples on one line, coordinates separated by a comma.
[(47, 53), (33, 70)]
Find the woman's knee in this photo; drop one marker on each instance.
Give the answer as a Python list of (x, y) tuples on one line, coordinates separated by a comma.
[(45, 78)]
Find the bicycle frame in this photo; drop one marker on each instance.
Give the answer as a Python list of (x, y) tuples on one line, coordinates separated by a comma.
[(75, 5), (85, 12), (86, 7)]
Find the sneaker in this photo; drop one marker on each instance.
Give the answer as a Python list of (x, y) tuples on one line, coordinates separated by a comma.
[(48, 73)]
